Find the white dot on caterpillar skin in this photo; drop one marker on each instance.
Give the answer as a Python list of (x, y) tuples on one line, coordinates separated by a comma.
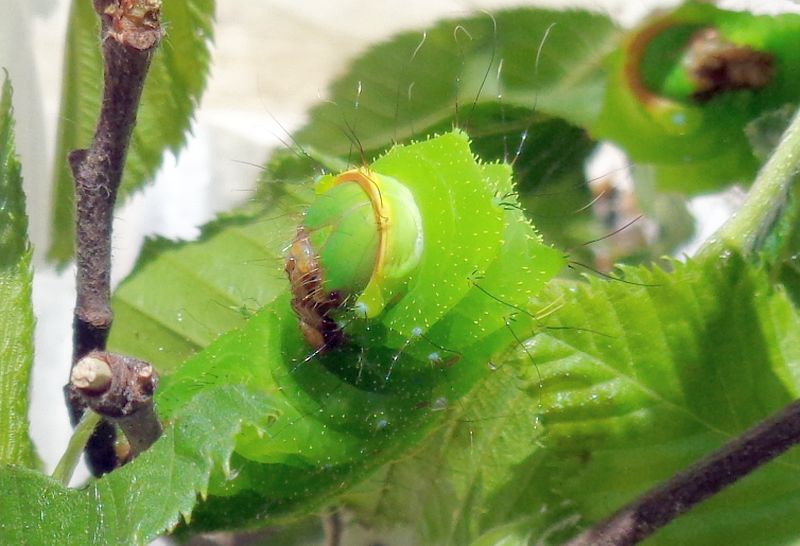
[(416, 331), (360, 309), (435, 358)]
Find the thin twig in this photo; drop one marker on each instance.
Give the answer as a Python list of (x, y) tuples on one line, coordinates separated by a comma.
[(131, 31), (333, 527), (665, 502)]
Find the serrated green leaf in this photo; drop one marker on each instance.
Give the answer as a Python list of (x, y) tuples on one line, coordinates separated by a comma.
[(548, 156), (172, 91), (16, 319), (693, 360), (569, 64), (625, 386), (179, 301), (487, 436), (134, 504)]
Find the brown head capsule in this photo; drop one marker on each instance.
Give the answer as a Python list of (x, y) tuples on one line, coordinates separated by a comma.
[(716, 65), (312, 304)]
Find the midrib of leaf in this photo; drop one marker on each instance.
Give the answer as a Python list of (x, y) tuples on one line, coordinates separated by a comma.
[(623, 488), (619, 320), (616, 322)]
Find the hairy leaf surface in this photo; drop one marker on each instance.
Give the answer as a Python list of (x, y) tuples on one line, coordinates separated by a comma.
[(531, 59), (622, 387), (573, 65)]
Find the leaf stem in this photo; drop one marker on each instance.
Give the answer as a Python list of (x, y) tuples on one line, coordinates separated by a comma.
[(746, 229), (733, 461), (69, 460)]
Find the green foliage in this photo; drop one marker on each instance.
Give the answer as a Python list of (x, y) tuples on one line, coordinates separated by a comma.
[(570, 65), (693, 359), (184, 300), (339, 416), (551, 62), (556, 78), (171, 94), (134, 504), (178, 300), (624, 386), (16, 319), (477, 408), (696, 146)]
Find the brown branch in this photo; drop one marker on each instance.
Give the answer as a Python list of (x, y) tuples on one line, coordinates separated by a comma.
[(131, 31), (730, 463)]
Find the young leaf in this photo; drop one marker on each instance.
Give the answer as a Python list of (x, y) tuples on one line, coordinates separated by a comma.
[(693, 360), (177, 300), (174, 84), (442, 490), (16, 319)]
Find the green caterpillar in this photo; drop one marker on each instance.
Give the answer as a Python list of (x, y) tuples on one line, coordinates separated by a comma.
[(407, 279), (403, 243), (365, 214)]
